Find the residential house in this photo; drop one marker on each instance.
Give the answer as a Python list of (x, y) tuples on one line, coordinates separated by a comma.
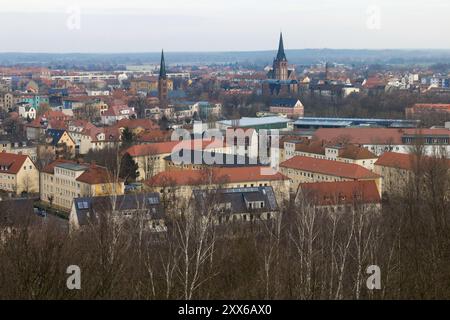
[(116, 113), (18, 174)]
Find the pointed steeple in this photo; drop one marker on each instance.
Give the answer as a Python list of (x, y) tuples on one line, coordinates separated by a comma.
[(281, 55), (162, 69)]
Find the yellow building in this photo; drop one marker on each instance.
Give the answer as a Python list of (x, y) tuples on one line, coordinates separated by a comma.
[(63, 180), (302, 169), (342, 153), (18, 174), (180, 184)]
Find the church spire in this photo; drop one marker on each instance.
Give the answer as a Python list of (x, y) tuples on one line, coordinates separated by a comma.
[(162, 69), (281, 55)]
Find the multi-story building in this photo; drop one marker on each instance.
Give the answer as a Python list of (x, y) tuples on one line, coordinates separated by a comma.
[(181, 183), (292, 108), (250, 204), (306, 169), (340, 196), (27, 148), (18, 174), (347, 153), (62, 180), (145, 206), (379, 140)]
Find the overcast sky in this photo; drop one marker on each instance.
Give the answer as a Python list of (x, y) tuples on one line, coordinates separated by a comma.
[(220, 25)]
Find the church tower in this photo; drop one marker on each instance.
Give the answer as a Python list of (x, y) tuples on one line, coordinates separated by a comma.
[(162, 83), (280, 64)]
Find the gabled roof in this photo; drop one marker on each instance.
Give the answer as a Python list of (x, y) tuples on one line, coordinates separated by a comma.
[(11, 163), (212, 176), (87, 208), (55, 134), (340, 192), (284, 102), (329, 167), (95, 175), (237, 199)]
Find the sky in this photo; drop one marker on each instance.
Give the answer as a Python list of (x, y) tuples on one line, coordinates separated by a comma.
[(93, 26)]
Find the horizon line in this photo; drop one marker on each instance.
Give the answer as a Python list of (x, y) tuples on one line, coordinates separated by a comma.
[(221, 51)]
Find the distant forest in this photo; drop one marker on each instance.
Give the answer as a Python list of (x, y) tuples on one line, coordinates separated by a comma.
[(257, 58)]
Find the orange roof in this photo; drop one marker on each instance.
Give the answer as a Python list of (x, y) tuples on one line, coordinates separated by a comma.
[(11, 163), (168, 147), (329, 167), (356, 153), (95, 175), (340, 192), (400, 160), (212, 176)]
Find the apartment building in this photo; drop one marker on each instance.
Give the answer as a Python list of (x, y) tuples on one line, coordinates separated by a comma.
[(340, 196), (180, 184), (347, 153), (302, 169), (62, 180)]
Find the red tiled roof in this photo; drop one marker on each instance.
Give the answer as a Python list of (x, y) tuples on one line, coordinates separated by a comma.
[(95, 175), (213, 176), (13, 162), (329, 167), (356, 153), (400, 160), (340, 192)]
